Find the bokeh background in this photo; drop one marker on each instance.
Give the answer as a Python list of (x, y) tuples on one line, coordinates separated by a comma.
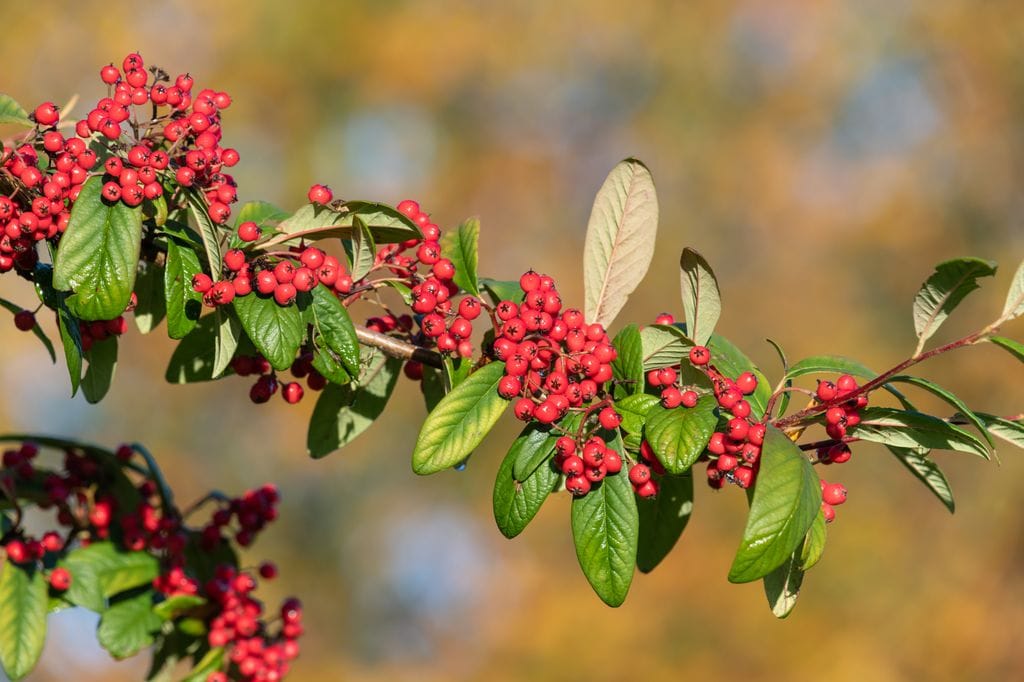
[(822, 155)]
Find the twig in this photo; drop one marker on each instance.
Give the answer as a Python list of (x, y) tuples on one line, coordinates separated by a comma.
[(396, 348)]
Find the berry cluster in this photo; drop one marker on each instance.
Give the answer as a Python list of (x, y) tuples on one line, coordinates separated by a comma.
[(267, 383), (585, 465), (843, 405), (643, 474), (736, 450)]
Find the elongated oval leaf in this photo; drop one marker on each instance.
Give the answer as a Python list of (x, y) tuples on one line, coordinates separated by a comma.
[(928, 472), (344, 412), (702, 302), (229, 334), (102, 357), (1010, 431), (259, 212), (23, 601), (620, 240), (460, 246), (679, 436), (663, 345), (606, 531), (12, 113), (276, 330), (128, 626), (814, 545), (944, 290), (828, 364), (628, 366), (635, 410), (182, 302), (782, 586), (906, 429), (314, 222), (1014, 348), (785, 502), (500, 290), (210, 233), (71, 340), (943, 394), (151, 307), (98, 255), (460, 421), (516, 501), (333, 324), (360, 249), (1014, 306), (663, 519)]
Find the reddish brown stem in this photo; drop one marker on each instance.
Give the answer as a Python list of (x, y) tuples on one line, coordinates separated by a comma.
[(397, 348)]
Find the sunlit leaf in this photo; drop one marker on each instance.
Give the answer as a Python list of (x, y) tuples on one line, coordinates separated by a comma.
[(663, 519), (944, 290), (606, 531), (460, 246), (702, 302), (23, 604)]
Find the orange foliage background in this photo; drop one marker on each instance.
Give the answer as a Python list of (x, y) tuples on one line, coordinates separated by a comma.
[(822, 155)]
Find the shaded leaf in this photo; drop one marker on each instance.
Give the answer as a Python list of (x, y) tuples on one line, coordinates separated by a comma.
[(101, 570), (208, 231), (628, 366), (499, 290), (99, 375), (606, 531), (663, 519), (947, 396), (333, 325), (1010, 431), (944, 290), (71, 339), (229, 333), (927, 471), (814, 544), (313, 222), (516, 501), (634, 410), (183, 303), (663, 345), (731, 361), (361, 250), (702, 302), (782, 585), (151, 307), (620, 240)]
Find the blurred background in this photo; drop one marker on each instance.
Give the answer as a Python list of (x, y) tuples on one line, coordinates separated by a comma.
[(822, 155)]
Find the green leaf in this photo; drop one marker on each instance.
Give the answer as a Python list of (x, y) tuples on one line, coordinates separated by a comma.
[(679, 436), (193, 357), (536, 445), (944, 290), (634, 410), (151, 307), (344, 412), (516, 501), (785, 502), (315, 222), (334, 326), (101, 570), (128, 626), (229, 333), (606, 530), (183, 303), (732, 362), (814, 544), (98, 255), (23, 602), (620, 240), (663, 519), (628, 367), (927, 471), (211, 662), (500, 290), (277, 330), (328, 364), (782, 585), (912, 429), (360, 249), (784, 398), (172, 607), (12, 113), (1014, 348), (183, 233), (460, 421), (71, 339), (1014, 306), (102, 357), (701, 300), (209, 232), (1010, 431), (36, 330), (460, 247), (259, 212), (943, 394), (828, 364), (663, 345)]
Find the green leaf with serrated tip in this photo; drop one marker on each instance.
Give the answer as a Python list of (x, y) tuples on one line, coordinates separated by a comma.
[(786, 500), (36, 330), (702, 302), (23, 603), (620, 240), (516, 501), (912, 429), (183, 303), (460, 246), (501, 290), (208, 231), (628, 366), (71, 339), (782, 585), (927, 471), (814, 544), (663, 345), (944, 290), (99, 375), (460, 421), (128, 626), (1014, 348), (360, 249), (1014, 306), (276, 330), (98, 255), (947, 396), (663, 519), (151, 307), (634, 410), (12, 113), (100, 571), (344, 412), (334, 326), (606, 531), (679, 436), (1010, 431)]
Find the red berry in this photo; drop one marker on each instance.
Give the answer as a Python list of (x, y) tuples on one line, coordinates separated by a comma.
[(509, 387), (744, 476), (612, 462), (609, 418), (320, 194), (746, 382), (647, 490), (578, 485), (530, 281), (664, 318), (234, 260), (110, 74), (523, 409), (312, 258), (846, 384), (737, 429), (60, 579), (443, 269), (639, 474), (25, 320), (268, 570), (284, 294), (833, 494), (826, 391), (828, 512), (672, 398), (46, 114), (201, 283), (292, 392), (689, 399), (469, 308), (572, 466), (835, 415), (409, 208), (700, 355)]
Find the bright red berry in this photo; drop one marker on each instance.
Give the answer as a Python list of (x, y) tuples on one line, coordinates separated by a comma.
[(60, 579), (320, 194), (833, 494), (700, 355)]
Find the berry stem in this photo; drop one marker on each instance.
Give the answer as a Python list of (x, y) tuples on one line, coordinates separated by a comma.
[(166, 496)]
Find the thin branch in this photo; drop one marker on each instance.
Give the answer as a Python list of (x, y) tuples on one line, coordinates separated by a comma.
[(397, 348)]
